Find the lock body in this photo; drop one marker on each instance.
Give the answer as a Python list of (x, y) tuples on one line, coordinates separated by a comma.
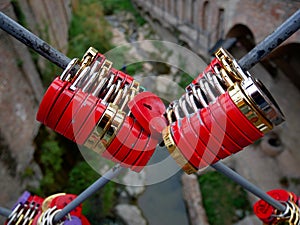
[(34, 210), (104, 109), (269, 215), (223, 110)]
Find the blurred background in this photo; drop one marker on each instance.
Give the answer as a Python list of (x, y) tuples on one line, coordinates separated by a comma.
[(35, 158)]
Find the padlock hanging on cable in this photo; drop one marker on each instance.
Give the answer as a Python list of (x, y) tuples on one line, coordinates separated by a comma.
[(223, 110), (34, 210), (102, 108), (25, 210), (269, 215)]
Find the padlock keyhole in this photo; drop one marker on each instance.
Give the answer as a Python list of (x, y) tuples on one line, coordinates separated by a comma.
[(147, 106)]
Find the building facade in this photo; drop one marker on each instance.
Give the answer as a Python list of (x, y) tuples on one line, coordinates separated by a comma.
[(203, 25)]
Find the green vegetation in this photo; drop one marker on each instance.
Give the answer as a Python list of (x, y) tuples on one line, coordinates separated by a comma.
[(52, 161), (19, 63), (108, 197), (113, 6), (225, 202), (49, 154), (61, 161), (27, 173), (88, 28), (185, 79), (134, 68), (80, 177)]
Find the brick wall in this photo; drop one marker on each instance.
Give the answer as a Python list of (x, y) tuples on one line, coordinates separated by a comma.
[(205, 29)]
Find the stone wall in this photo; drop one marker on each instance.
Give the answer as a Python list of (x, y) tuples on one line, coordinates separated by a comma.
[(21, 91), (201, 23)]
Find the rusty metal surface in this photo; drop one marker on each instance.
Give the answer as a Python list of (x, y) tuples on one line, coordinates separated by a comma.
[(32, 41)]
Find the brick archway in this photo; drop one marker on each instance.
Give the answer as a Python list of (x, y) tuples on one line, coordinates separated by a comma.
[(243, 34)]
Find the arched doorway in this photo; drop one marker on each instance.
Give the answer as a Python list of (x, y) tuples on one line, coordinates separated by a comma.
[(243, 35)]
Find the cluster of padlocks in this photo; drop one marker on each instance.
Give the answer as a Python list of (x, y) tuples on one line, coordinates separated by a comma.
[(269, 215), (223, 110), (34, 210), (103, 109)]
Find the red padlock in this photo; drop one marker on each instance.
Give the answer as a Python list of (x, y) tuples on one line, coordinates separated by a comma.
[(197, 144), (90, 123), (65, 120), (238, 118), (222, 111), (148, 109), (83, 113), (228, 126), (126, 79), (82, 106), (145, 156), (189, 152), (79, 100), (59, 107), (63, 200), (214, 129), (129, 143), (267, 213), (136, 152), (210, 68), (52, 93), (119, 140), (210, 143)]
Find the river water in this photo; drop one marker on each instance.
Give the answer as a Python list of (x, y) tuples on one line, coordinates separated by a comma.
[(162, 203)]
